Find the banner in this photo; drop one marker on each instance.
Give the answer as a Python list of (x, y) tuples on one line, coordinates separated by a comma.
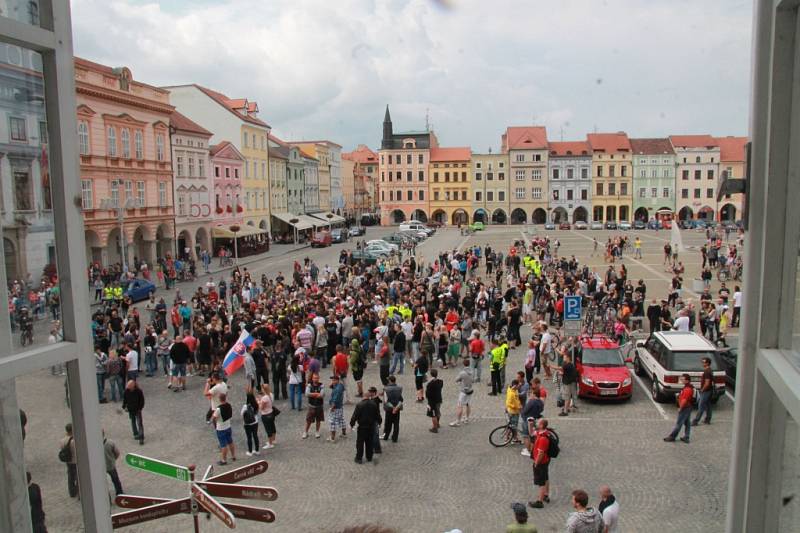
[(235, 357)]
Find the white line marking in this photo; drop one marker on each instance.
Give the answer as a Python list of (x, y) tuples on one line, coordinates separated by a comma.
[(647, 393)]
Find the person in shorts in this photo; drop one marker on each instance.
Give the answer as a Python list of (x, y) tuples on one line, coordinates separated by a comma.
[(569, 385), (316, 409), (465, 391), (222, 422), (433, 392), (541, 464)]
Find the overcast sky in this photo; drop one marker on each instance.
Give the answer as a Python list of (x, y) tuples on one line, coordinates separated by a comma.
[(327, 68)]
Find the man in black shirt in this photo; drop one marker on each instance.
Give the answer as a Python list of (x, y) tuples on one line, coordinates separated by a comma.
[(433, 392), (706, 389), (654, 316), (569, 381), (367, 415), (260, 359), (179, 354)]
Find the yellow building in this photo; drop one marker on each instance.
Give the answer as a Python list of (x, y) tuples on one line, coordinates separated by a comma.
[(321, 153), (256, 176), (450, 179), (612, 176)]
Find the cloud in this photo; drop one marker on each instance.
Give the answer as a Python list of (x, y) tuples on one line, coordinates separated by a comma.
[(322, 69)]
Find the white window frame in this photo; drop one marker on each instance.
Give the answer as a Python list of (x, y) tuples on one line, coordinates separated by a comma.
[(125, 139), (160, 147), (87, 195), (519, 174), (162, 194), (83, 137), (111, 141), (139, 144), (141, 193)]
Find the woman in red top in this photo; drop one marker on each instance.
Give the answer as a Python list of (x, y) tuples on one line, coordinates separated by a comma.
[(451, 319)]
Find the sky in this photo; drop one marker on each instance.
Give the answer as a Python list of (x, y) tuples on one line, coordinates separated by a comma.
[(326, 69)]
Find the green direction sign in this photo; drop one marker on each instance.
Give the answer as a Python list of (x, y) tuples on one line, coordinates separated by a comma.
[(157, 467)]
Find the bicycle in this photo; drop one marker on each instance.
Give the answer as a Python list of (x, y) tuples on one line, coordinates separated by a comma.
[(26, 336), (504, 435)]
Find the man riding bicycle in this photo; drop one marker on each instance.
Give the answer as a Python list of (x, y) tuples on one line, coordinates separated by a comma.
[(25, 321)]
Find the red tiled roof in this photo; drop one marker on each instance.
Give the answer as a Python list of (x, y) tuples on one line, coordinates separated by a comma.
[(609, 142), (307, 155), (570, 148), (279, 153), (182, 123), (460, 153), (693, 141), (651, 146), (731, 148), (252, 107), (362, 154), (225, 102), (525, 138), (328, 143), (214, 149)]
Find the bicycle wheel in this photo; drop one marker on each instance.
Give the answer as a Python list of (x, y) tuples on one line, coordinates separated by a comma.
[(500, 436)]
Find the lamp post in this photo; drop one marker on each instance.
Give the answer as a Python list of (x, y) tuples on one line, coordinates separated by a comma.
[(111, 205), (235, 229)]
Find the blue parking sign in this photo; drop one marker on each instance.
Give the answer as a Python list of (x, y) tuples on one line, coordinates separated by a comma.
[(572, 308)]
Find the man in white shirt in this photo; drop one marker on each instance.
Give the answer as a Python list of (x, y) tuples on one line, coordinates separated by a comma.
[(737, 306), (132, 359), (682, 322), (609, 509)]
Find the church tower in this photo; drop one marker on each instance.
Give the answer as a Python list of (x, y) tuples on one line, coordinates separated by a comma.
[(386, 143)]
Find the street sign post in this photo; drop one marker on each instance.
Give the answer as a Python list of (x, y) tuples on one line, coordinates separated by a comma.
[(243, 512), (154, 466), (572, 328), (129, 501), (246, 512), (213, 506), (151, 512), (572, 307), (239, 474), (241, 492), (209, 472)]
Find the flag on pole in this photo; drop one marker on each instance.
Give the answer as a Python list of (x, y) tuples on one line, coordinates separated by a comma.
[(235, 357)]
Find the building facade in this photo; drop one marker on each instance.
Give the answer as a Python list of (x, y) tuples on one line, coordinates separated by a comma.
[(653, 178), (321, 151), (527, 151), (611, 176), (732, 164), (278, 182), (236, 121), (26, 201), (490, 198), (311, 182), (192, 186), (123, 138), (338, 204), (348, 185), (450, 177), (365, 178), (295, 178), (228, 167), (697, 158), (403, 166), (570, 183)]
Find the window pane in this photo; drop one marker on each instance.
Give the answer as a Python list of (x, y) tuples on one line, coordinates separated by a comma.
[(26, 216), (26, 11)]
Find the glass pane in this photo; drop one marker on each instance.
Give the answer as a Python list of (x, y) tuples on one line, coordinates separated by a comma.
[(26, 11), (46, 418), (26, 216), (790, 488)]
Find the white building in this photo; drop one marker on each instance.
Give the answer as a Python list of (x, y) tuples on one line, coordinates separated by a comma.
[(697, 157), (570, 176)]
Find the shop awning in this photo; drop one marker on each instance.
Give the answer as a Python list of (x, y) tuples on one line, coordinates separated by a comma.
[(310, 222), (223, 232), (300, 224), (328, 218)]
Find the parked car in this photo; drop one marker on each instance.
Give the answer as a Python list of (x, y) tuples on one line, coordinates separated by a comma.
[(639, 224), (396, 239), (549, 226), (415, 226), (611, 224), (597, 225), (383, 244), (654, 224), (338, 235), (730, 225), (728, 356), (476, 226), (357, 231), (321, 239), (416, 236), (711, 224), (666, 224), (581, 225), (378, 251), (699, 224), (602, 371), (665, 355), (625, 225), (139, 289), (564, 225), (363, 256), (686, 224)]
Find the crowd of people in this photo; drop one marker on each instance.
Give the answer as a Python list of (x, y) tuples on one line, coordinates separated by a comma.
[(450, 314)]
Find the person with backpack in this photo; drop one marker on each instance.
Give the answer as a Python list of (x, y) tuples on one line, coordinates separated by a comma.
[(249, 410), (686, 401), (222, 422), (66, 454), (545, 448)]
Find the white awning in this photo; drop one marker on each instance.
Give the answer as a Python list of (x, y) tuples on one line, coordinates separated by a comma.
[(328, 218), (294, 220), (223, 232)]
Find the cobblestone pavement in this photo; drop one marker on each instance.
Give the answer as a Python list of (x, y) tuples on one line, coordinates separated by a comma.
[(426, 482)]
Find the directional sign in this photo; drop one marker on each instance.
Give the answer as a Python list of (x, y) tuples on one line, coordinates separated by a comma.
[(245, 512), (240, 474), (129, 501), (243, 492), (213, 506), (209, 472), (572, 307), (152, 512), (157, 467)]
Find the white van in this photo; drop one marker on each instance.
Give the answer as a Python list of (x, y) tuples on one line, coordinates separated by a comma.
[(414, 226)]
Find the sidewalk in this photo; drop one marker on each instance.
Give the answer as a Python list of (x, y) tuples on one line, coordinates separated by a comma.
[(275, 250)]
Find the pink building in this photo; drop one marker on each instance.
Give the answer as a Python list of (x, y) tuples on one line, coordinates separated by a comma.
[(228, 208), (123, 139)]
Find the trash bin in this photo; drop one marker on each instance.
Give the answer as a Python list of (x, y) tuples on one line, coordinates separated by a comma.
[(698, 285)]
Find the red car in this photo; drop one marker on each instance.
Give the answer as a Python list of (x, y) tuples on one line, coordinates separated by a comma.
[(602, 371), (321, 239), (564, 225), (666, 224)]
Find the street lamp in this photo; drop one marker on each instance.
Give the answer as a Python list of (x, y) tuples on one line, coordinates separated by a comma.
[(111, 205), (235, 229)]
